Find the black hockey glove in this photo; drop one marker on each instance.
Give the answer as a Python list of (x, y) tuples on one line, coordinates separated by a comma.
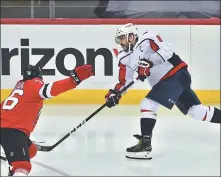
[(112, 99)]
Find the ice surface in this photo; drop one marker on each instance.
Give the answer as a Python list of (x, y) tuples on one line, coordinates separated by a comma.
[(181, 146)]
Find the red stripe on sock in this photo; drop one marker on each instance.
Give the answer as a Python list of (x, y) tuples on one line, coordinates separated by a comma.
[(146, 110), (205, 116)]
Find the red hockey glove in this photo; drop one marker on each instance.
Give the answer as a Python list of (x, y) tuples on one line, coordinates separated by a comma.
[(81, 73), (144, 69), (112, 99)]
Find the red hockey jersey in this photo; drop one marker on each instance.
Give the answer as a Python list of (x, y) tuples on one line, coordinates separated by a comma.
[(22, 108)]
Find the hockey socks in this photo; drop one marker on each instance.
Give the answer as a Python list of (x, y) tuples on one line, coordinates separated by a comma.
[(147, 125), (216, 116)]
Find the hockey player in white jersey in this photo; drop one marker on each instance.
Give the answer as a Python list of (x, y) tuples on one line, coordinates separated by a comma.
[(167, 74)]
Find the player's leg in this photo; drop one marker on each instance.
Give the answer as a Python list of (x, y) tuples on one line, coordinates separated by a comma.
[(143, 149), (32, 148), (15, 145), (186, 100), (165, 93), (189, 103)]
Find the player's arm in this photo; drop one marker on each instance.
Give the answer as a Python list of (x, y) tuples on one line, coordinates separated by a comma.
[(79, 74), (125, 76)]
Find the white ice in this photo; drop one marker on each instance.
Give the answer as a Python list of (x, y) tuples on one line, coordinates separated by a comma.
[(181, 146)]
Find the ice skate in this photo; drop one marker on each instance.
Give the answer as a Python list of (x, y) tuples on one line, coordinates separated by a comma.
[(142, 150)]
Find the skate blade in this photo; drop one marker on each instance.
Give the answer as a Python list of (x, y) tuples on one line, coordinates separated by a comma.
[(141, 155), (139, 158)]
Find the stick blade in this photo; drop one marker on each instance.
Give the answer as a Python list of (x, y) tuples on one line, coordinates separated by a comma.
[(44, 148)]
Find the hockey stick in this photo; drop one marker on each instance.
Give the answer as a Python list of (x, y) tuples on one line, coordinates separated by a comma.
[(49, 148)]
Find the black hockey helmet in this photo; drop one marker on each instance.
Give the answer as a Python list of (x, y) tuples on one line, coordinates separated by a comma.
[(31, 72)]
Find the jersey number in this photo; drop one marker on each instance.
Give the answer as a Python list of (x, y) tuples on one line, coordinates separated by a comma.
[(12, 99)]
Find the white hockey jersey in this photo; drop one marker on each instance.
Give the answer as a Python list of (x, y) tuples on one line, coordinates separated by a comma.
[(149, 46)]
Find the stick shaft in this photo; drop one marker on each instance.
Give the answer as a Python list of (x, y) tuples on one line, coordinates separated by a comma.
[(49, 148)]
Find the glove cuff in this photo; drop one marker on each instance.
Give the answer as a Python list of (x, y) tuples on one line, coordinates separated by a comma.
[(75, 77)]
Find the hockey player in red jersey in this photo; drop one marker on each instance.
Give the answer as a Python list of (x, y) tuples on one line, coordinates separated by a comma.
[(21, 109), (153, 59)]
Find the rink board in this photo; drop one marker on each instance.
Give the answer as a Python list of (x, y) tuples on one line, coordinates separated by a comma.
[(131, 97), (70, 42)]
